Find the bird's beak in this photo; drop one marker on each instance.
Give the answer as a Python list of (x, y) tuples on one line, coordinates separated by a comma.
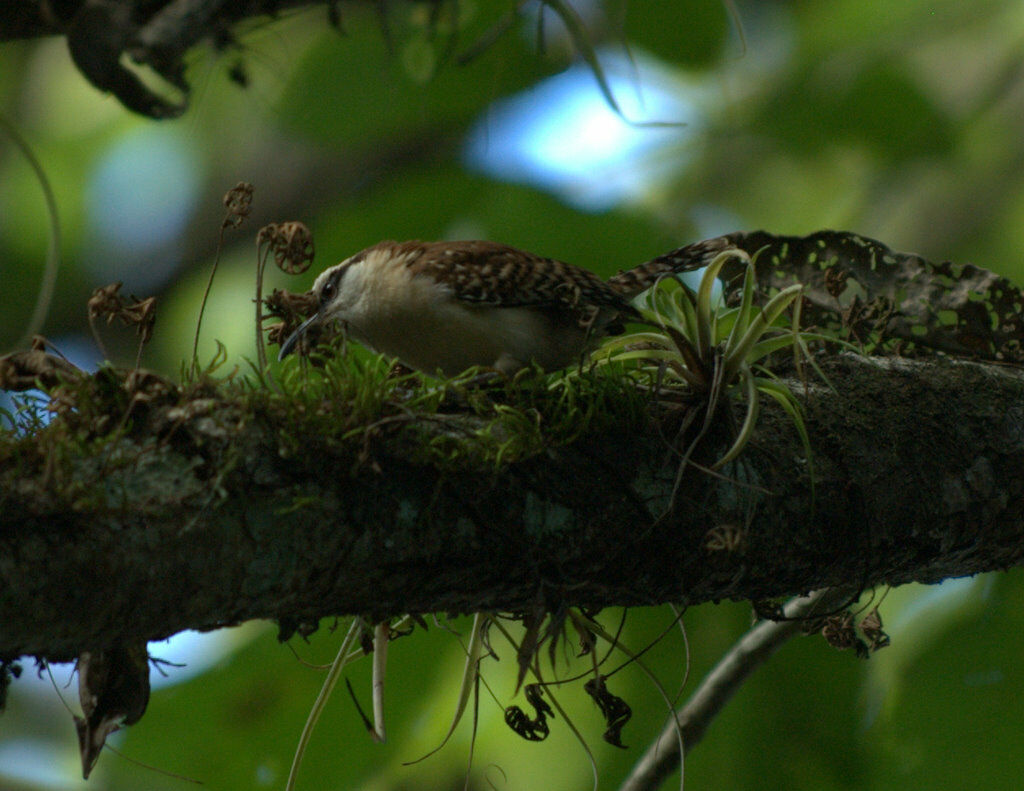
[(293, 339)]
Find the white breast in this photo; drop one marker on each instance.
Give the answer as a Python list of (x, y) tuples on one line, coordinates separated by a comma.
[(421, 323)]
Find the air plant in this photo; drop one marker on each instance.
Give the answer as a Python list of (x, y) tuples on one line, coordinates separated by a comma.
[(697, 343)]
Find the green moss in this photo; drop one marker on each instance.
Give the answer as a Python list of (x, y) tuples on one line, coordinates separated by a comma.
[(353, 400)]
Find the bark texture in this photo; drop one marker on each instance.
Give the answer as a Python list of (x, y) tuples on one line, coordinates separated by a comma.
[(918, 476)]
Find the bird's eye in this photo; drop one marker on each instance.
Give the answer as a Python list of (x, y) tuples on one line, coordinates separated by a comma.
[(330, 287)]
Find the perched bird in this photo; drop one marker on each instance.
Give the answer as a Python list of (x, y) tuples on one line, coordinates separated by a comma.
[(442, 307)]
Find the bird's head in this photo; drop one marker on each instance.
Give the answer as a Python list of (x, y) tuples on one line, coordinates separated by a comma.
[(337, 289)]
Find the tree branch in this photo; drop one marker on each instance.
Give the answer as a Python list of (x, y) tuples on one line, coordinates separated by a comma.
[(175, 23), (724, 680), (206, 513), (153, 34)]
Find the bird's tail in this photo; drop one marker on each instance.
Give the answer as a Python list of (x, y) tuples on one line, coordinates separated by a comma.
[(683, 259)]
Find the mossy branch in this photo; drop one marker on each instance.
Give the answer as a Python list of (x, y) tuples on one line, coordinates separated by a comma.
[(216, 513)]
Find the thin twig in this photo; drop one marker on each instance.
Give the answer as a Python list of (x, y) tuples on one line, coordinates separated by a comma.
[(202, 305), (261, 262), (49, 281), (752, 650)]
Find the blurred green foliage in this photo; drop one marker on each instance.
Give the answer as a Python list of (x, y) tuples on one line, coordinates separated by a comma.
[(902, 121)]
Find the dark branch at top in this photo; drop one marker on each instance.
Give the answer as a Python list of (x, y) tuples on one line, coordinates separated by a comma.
[(155, 34)]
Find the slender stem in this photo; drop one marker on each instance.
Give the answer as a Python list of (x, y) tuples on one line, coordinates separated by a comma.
[(202, 305), (49, 280), (261, 352), (381, 635), (340, 661)]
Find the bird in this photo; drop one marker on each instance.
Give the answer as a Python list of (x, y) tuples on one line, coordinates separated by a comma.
[(444, 307)]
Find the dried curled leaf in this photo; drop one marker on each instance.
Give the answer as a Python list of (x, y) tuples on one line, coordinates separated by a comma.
[(107, 301), (293, 309), (31, 369), (615, 710), (113, 687), (536, 729), (238, 203), (103, 400), (291, 243), (839, 632), (871, 627), (9, 670)]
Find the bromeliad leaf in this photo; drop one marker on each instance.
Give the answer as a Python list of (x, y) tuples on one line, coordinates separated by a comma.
[(712, 349)]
